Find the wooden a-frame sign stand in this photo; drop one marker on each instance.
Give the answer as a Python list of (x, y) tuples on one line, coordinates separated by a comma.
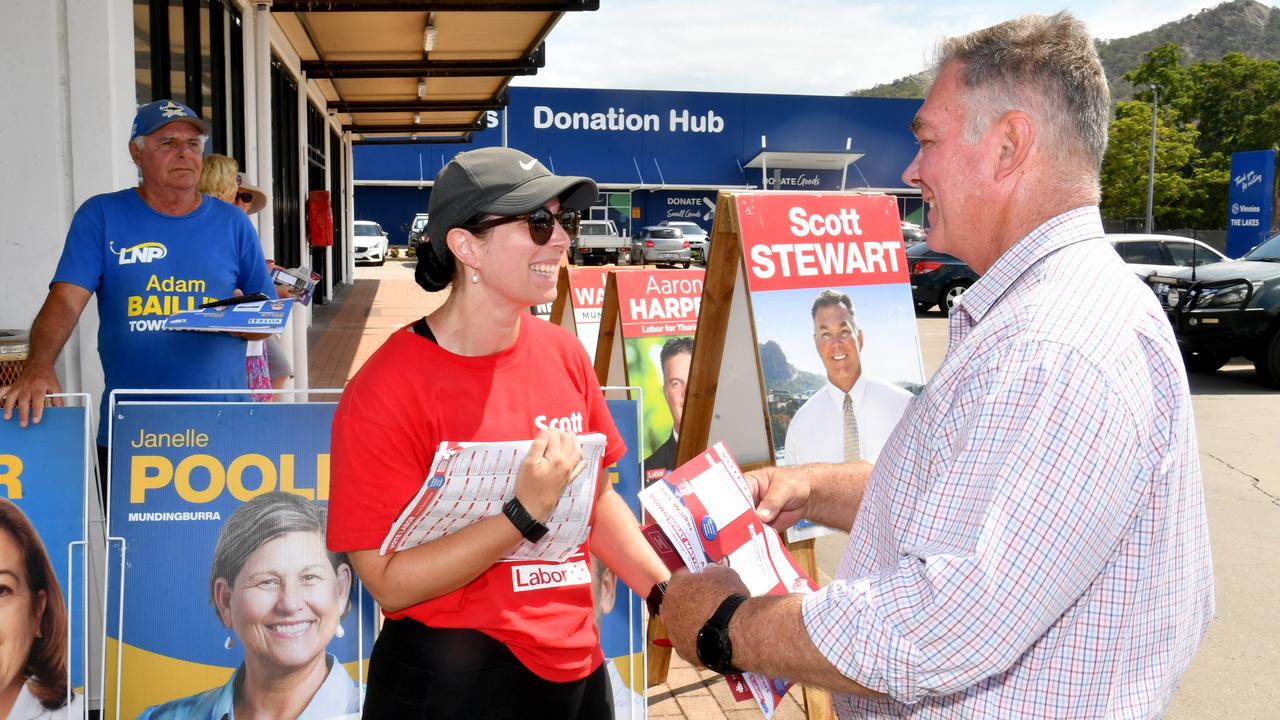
[(724, 353)]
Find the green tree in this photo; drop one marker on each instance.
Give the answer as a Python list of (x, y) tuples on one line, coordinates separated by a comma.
[(1163, 68), (1124, 169), (1237, 103), (1206, 112)]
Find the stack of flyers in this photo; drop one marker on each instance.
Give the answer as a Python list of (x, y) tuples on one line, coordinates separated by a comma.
[(247, 314), (706, 514), (470, 481)]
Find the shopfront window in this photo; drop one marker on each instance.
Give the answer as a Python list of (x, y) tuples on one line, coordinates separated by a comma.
[(193, 51)]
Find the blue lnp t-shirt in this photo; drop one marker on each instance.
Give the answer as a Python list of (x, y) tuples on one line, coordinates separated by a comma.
[(144, 266)]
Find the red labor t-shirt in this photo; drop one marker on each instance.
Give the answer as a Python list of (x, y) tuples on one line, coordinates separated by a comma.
[(409, 397)]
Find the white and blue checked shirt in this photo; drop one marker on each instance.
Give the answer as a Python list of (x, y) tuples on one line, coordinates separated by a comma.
[(1032, 542)]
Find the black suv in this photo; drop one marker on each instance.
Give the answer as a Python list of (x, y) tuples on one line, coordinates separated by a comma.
[(1227, 309)]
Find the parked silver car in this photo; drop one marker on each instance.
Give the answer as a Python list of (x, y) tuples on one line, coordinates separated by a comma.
[(662, 245), (698, 239)]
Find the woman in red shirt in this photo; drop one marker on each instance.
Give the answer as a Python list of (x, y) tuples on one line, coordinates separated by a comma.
[(469, 634)]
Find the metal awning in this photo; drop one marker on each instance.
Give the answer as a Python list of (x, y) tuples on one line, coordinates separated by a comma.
[(419, 71), (803, 160)]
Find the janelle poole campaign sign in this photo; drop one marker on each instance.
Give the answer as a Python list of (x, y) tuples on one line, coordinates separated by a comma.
[(220, 507), (42, 485), (831, 300), (658, 310), (586, 294)]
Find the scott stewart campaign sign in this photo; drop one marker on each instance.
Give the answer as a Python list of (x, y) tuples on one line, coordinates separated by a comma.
[(834, 320), (658, 312), (221, 508)]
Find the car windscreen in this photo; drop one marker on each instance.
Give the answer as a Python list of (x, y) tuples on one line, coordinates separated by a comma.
[(1268, 251), (367, 230), (1186, 254), (593, 229), (665, 233), (419, 223)]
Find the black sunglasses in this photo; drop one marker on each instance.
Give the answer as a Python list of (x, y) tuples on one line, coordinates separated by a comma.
[(542, 222), (245, 197)]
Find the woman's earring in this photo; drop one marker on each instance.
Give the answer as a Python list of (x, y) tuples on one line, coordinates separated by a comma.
[(475, 277), (340, 632), (227, 644), (39, 633)]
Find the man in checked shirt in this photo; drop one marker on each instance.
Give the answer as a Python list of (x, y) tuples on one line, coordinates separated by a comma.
[(1032, 540)]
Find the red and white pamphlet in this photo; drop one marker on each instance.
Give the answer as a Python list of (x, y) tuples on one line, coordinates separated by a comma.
[(707, 515), (470, 481)]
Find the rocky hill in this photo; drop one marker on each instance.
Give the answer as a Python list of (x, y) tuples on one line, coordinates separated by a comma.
[(1245, 26), (781, 376)]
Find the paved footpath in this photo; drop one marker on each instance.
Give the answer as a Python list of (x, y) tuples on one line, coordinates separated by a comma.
[(1236, 673)]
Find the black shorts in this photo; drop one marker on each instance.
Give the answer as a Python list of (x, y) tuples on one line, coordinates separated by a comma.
[(418, 672)]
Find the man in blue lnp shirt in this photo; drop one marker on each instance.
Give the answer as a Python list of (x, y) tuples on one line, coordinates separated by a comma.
[(147, 252)]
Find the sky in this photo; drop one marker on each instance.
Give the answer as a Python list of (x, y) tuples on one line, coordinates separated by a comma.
[(815, 47)]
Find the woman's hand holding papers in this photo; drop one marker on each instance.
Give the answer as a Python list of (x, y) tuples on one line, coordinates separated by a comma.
[(554, 459)]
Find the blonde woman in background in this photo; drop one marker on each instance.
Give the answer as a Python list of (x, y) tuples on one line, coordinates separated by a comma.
[(219, 178)]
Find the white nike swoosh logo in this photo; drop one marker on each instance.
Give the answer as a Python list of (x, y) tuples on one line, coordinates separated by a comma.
[(527, 165)]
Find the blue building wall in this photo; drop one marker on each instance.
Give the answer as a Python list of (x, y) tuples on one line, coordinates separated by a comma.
[(390, 207), (648, 139)]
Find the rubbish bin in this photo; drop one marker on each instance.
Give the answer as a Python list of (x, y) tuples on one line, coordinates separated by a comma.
[(14, 346)]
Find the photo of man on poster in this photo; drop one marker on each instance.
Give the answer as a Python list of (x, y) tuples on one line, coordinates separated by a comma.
[(850, 417), (675, 357)]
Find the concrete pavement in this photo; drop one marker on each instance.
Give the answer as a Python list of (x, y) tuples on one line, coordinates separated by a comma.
[(1236, 673)]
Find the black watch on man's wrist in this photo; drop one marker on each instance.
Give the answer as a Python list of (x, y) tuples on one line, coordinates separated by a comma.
[(654, 601), (714, 649), (528, 525)]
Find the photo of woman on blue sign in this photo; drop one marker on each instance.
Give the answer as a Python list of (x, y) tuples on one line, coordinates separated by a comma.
[(281, 595), (33, 626)]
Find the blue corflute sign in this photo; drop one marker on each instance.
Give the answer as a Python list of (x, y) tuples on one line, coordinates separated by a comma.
[(1253, 180)]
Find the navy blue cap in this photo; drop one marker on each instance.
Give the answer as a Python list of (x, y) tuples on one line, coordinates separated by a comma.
[(153, 116)]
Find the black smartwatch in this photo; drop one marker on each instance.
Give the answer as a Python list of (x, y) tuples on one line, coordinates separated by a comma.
[(529, 527), (714, 649), (654, 601)]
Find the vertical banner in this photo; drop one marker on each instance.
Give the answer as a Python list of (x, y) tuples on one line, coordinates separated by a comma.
[(618, 610), (586, 296), (834, 322), (1250, 201), (658, 312), (228, 587), (43, 476)]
